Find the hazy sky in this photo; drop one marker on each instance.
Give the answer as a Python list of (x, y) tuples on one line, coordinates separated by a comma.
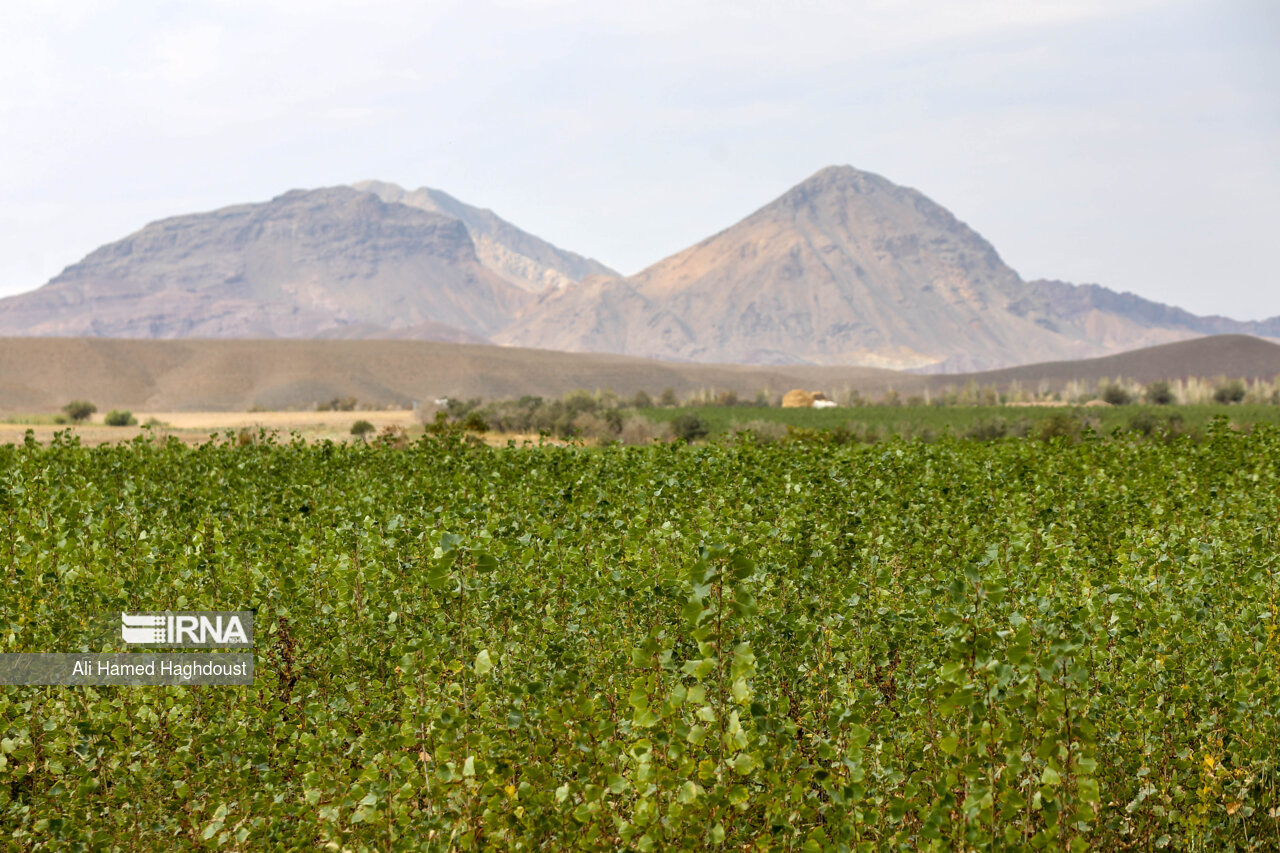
[(1132, 143)]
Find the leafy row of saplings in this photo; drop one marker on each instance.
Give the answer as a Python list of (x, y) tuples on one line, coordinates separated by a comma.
[(910, 646)]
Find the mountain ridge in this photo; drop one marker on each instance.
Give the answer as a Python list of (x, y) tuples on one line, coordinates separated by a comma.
[(523, 259), (845, 267), (305, 262)]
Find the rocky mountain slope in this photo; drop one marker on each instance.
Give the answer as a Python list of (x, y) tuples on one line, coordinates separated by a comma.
[(848, 268), (305, 264), (1088, 304), (521, 258), (845, 268)]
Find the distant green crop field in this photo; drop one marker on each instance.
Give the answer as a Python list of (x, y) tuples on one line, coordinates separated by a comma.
[(790, 646), (910, 420)]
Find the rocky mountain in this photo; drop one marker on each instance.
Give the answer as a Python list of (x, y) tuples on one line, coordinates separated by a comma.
[(521, 258), (848, 268), (333, 262), (845, 268), (1089, 304)]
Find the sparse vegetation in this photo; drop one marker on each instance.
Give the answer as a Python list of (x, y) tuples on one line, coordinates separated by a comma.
[(78, 411), (1229, 392), (1116, 395), (1159, 393), (996, 428), (36, 419), (338, 404), (640, 431), (689, 427), (760, 431), (393, 436), (1148, 423)]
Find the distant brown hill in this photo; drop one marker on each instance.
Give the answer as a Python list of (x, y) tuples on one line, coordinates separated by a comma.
[(41, 374), (1234, 356)]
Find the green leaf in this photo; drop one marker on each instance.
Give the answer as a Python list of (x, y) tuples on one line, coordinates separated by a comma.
[(438, 574)]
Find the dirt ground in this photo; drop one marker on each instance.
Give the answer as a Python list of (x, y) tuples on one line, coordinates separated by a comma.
[(196, 427)]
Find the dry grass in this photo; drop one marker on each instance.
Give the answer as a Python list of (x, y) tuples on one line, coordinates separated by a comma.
[(284, 421)]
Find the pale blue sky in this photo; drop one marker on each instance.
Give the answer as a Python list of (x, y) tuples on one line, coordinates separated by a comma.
[(1132, 143)]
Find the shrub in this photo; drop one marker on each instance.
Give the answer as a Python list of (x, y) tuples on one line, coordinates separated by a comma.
[(727, 398), (990, 430), (1159, 393), (1059, 425), (642, 400), (361, 428), (1229, 392), (119, 418), (475, 422), (338, 404), (587, 425), (638, 430), (1144, 423), (1116, 395), (689, 427), (393, 435), (79, 410), (1150, 425), (439, 426), (761, 432)]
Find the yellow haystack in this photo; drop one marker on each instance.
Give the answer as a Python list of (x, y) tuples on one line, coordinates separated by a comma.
[(800, 399)]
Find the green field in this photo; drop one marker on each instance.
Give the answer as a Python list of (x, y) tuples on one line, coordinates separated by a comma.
[(914, 421), (795, 646)]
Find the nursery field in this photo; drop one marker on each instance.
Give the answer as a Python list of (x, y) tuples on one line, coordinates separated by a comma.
[(928, 421), (1010, 644)]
